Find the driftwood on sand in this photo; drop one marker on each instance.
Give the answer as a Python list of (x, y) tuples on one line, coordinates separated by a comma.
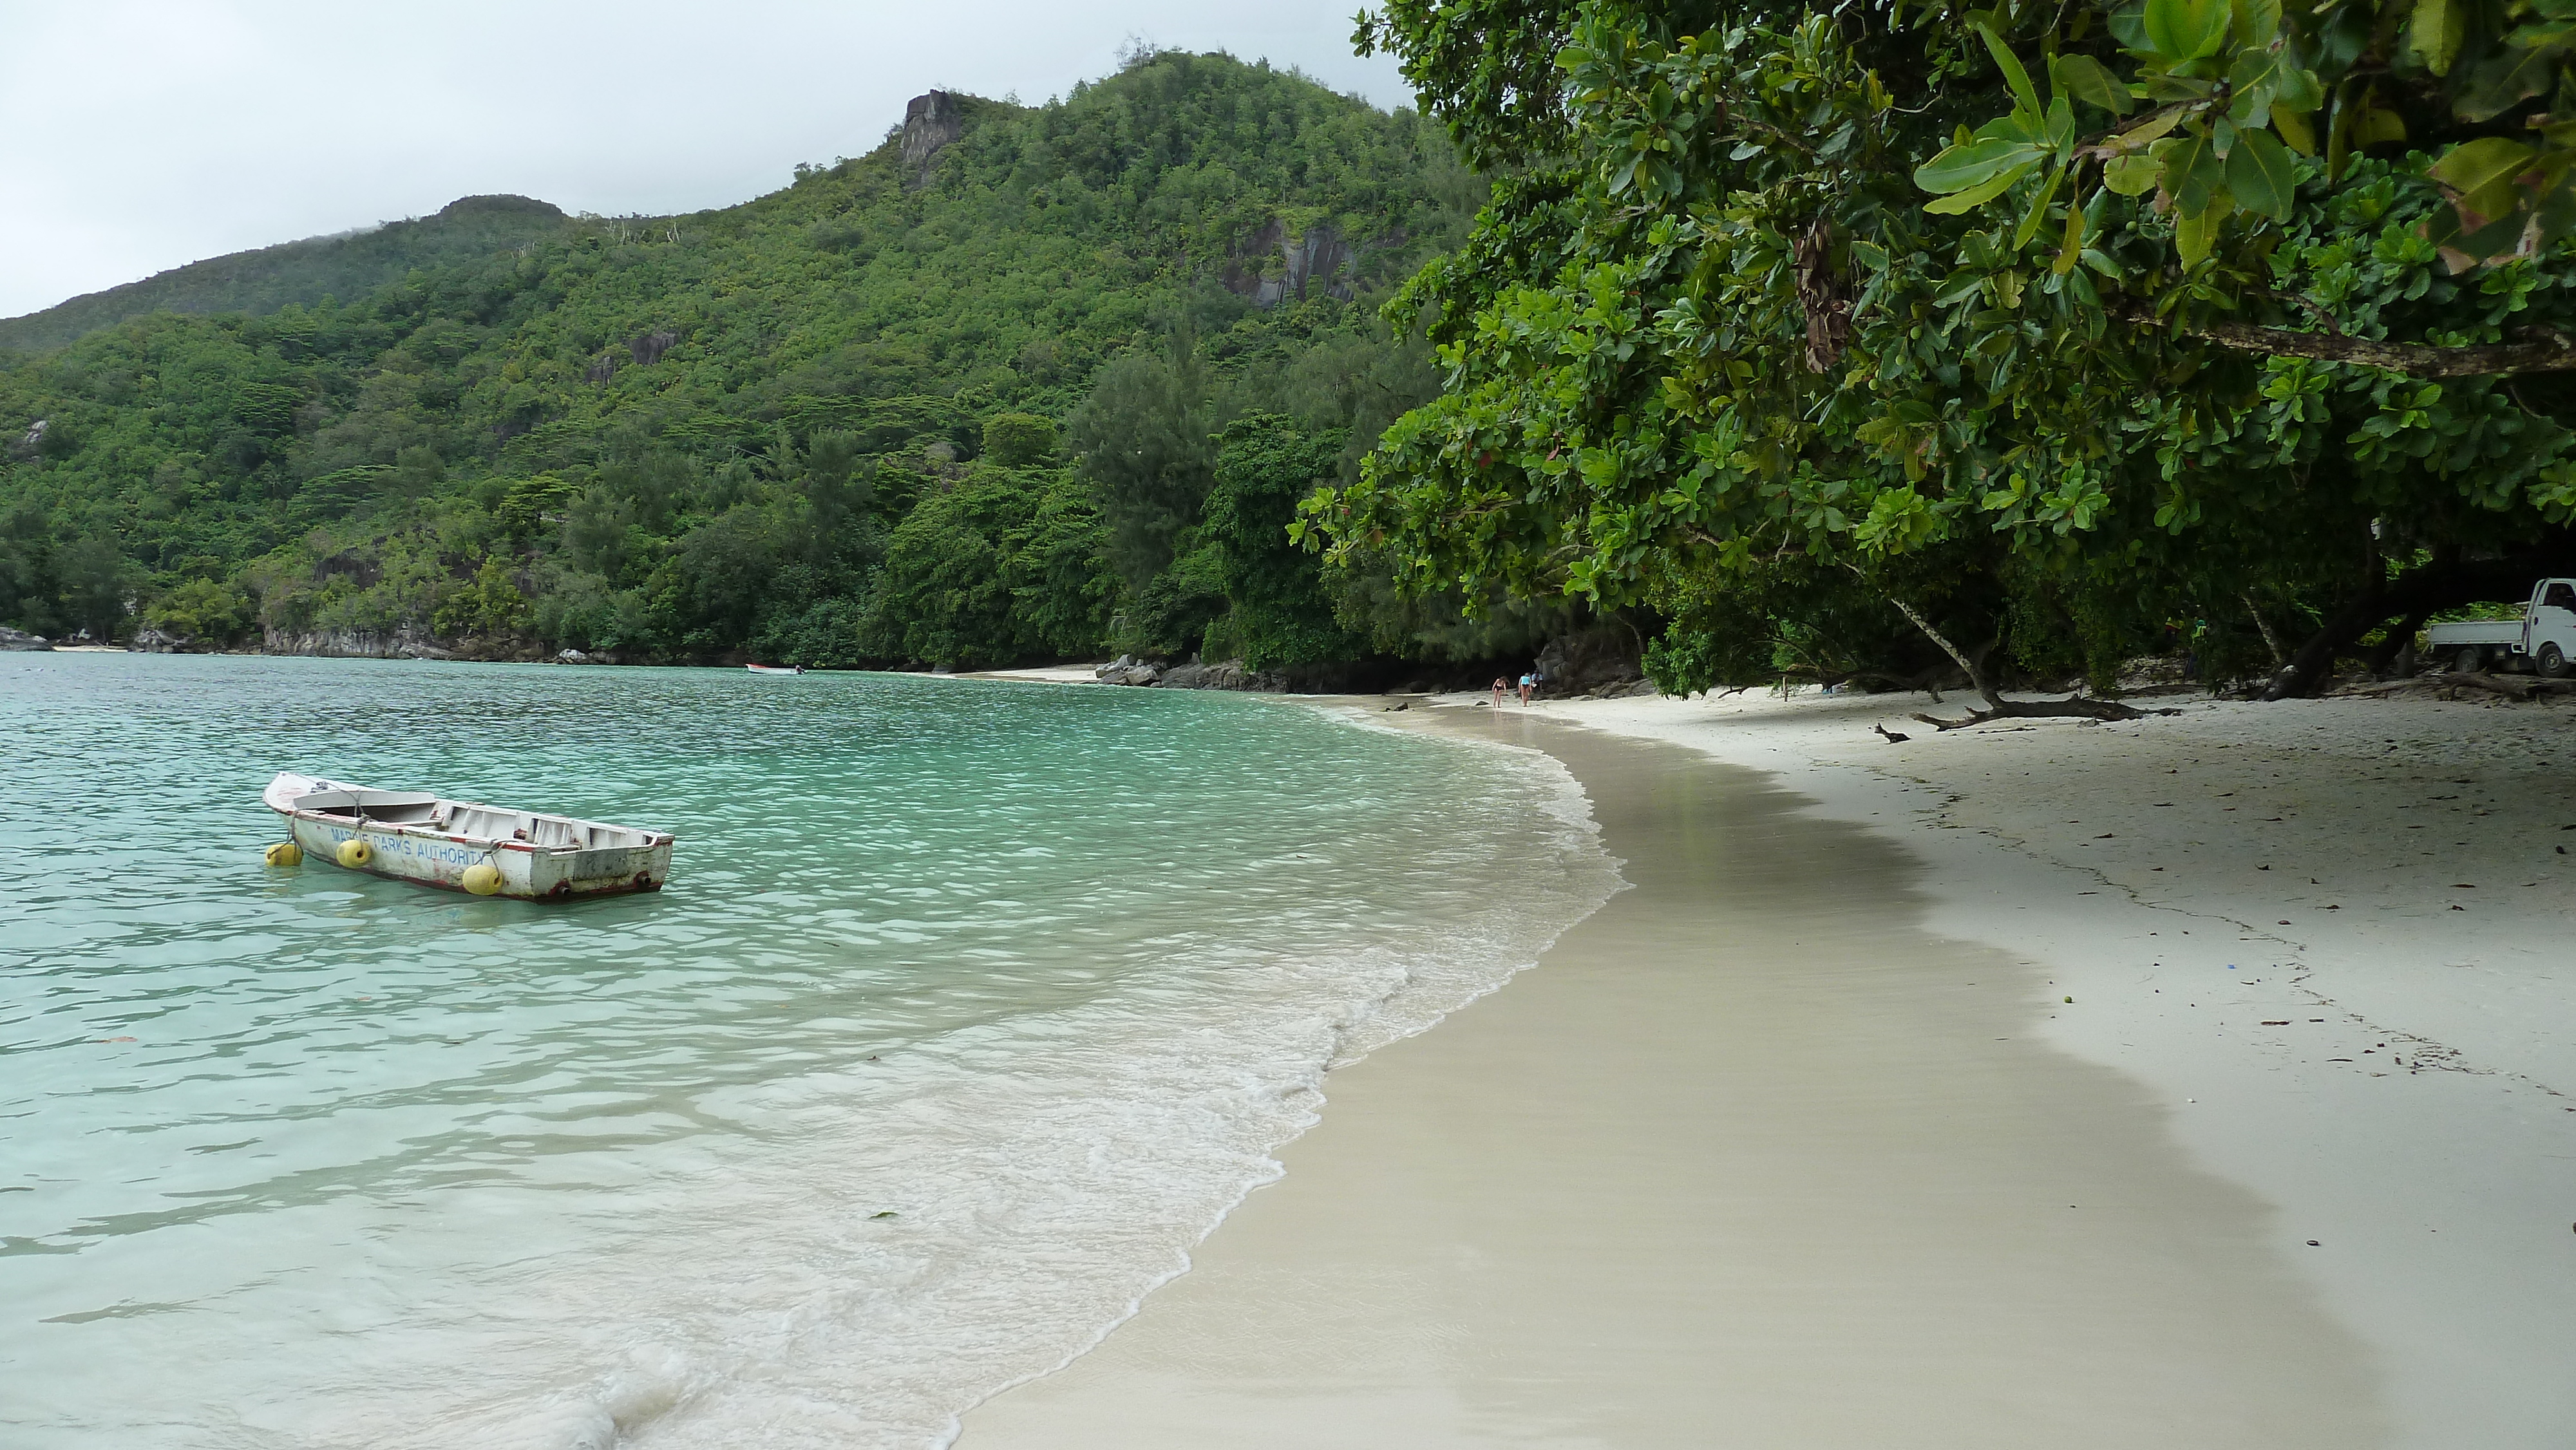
[(2075, 707), (2512, 687)]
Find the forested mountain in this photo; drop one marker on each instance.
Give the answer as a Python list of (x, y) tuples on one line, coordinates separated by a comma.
[(1019, 382), (269, 278)]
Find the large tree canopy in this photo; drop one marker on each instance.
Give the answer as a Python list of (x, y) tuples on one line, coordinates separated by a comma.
[(2084, 315)]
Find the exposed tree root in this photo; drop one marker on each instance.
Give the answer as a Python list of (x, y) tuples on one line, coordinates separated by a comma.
[(2073, 707)]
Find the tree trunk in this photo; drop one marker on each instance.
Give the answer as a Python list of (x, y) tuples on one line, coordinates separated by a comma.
[(2399, 640), (2308, 667), (1967, 666), (1999, 708), (2271, 641), (2443, 583)]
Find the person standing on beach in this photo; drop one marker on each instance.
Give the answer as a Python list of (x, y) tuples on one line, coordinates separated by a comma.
[(1529, 683), (1498, 692)]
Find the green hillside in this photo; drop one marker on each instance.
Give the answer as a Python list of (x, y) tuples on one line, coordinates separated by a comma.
[(955, 401), (269, 278)]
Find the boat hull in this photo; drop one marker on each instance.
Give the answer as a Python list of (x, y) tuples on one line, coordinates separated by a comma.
[(527, 874), (544, 858)]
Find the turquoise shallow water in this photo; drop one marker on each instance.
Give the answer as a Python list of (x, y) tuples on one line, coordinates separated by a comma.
[(969, 1007)]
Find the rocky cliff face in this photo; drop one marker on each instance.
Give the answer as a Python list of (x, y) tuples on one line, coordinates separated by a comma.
[(355, 644), (1320, 262), (1599, 660), (929, 123), (1223, 675)]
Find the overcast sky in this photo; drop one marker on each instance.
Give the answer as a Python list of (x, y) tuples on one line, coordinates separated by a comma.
[(139, 135)]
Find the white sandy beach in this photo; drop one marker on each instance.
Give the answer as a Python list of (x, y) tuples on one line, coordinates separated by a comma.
[(1746, 1160)]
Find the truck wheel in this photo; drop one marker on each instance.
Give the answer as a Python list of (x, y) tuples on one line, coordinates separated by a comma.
[(2468, 659), (2553, 662)]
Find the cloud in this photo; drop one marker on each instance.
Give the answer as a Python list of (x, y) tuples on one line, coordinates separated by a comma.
[(139, 135)]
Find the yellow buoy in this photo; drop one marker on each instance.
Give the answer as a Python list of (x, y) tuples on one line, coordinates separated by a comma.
[(483, 878), (357, 855), (286, 853)]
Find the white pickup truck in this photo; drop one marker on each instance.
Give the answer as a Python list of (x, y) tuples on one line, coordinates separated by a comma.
[(2543, 640)]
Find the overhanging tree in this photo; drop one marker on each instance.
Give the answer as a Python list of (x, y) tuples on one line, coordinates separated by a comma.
[(2234, 302)]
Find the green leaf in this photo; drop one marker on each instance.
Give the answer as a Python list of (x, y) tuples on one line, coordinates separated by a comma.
[(2296, 130), (2436, 30), (2014, 75), (2193, 174), (2185, 30), (2127, 24), (2377, 124), (2193, 236), (2262, 175), (2298, 90), (2131, 175), (2090, 81), (1960, 167), (2037, 216), (2024, 126), (2153, 128), (2257, 23), (2482, 173), (2502, 81), (2073, 246), (1977, 196)]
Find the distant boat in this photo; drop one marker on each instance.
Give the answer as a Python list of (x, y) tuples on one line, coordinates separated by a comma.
[(775, 669), (486, 850)]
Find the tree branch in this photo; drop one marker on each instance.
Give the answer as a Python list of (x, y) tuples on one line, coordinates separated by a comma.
[(1976, 677), (2544, 354)]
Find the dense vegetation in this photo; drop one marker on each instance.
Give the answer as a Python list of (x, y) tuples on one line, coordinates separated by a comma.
[(1887, 342), (1054, 391), (1826, 338), (299, 272)]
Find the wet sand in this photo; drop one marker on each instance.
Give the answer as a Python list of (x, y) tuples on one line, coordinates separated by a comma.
[(1749, 1158)]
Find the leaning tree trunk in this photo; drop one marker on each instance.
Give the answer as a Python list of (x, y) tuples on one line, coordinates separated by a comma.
[(2271, 641), (1999, 708)]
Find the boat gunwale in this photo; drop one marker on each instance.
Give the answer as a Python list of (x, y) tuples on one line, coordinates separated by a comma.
[(651, 841)]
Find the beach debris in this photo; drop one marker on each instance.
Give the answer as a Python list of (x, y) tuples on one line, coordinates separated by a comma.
[(2074, 706), (1892, 737), (885, 1213)]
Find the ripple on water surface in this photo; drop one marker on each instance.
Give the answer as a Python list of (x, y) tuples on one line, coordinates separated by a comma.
[(969, 1007)]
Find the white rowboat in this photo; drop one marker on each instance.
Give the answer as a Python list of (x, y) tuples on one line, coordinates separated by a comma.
[(409, 835), (775, 669)]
